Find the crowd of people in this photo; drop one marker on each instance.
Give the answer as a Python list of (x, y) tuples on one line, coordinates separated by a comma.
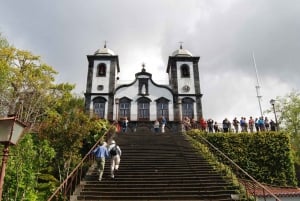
[(209, 125), (236, 125)]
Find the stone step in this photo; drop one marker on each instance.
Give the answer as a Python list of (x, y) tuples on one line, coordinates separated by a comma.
[(157, 167), (127, 184), (222, 197)]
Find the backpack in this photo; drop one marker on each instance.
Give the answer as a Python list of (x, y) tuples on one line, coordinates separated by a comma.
[(113, 151)]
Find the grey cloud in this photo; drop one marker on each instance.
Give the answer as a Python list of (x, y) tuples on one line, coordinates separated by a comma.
[(223, 33)]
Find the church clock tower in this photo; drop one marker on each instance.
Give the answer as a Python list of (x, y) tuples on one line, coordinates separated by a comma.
[(103, 67), (184, 80)]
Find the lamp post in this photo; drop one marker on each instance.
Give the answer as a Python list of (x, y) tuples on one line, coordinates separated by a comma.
[(10, 132), (272, 102)]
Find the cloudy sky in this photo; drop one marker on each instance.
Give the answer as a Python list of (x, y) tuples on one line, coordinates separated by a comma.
[(224, 33)]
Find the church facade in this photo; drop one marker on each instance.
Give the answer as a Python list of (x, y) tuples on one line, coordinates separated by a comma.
[(143, 100)]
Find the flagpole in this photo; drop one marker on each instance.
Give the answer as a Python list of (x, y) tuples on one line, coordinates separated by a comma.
[(257, 86)]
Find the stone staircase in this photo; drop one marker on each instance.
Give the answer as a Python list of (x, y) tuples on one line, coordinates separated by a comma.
[(156, 167)]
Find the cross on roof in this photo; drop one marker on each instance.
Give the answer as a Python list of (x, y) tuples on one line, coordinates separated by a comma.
[(180, 44), (143, 65)]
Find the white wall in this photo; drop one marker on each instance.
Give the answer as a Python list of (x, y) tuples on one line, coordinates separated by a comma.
[(154, 93)]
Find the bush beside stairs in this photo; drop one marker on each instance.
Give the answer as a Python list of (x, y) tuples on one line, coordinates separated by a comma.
[(156, 167)]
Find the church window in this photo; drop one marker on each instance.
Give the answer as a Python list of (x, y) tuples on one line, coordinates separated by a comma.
[(99, 107), (124, 107), (144, 109), (101, 70), (162, 108), (185, 70), (188, 108)]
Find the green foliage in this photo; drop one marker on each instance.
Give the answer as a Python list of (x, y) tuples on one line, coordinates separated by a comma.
[(267, 156), (64, 132), (288, 109), (25, 84), (27, 162), (69, 130)]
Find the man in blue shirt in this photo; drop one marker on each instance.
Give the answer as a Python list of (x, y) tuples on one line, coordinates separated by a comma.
[(101, 153)]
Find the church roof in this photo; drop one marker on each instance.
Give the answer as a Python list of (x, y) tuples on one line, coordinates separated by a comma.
[(105, 51), (181, 53)]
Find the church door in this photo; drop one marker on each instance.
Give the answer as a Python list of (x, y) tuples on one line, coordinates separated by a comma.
[(188, 108)]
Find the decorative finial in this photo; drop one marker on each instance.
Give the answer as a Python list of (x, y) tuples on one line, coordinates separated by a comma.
[(105, 43), (143, 65), (180, 44)]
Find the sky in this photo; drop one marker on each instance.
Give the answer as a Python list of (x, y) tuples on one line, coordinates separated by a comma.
[(228, 35)]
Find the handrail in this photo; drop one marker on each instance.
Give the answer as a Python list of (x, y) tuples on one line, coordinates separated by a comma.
[(66, 188), (253, 182)]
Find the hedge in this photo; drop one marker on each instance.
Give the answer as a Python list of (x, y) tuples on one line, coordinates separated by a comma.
[(266, 156)]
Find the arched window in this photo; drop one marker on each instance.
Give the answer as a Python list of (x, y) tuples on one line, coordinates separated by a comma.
[(144, 109), (101, 70), (188, 108), (99, 107), (162, 106), (124, 108), (185, 70)]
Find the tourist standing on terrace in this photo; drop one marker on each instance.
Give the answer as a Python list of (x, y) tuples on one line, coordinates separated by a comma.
[(251, 124), (226, 125)]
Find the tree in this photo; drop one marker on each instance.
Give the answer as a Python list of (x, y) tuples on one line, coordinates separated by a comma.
[(53, 112), (26, 84), (67, 127), (28, 162), (288, 110)]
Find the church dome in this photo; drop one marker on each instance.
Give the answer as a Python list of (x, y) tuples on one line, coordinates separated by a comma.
[(182, 53), (104, 51)]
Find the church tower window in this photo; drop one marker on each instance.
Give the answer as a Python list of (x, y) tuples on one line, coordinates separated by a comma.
[(185, 70), (101, 70)]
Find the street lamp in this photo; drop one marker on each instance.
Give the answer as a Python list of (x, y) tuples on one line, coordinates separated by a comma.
[(272, 102), (10, 132)]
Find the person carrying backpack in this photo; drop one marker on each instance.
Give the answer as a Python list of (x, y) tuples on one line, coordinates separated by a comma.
[(115, 157)]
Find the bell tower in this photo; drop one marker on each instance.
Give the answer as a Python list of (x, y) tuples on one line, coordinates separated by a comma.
[(184, 80), (103, 67)]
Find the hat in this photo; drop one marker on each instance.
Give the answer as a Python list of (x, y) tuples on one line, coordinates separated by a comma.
[(104, 143), (112, 142)]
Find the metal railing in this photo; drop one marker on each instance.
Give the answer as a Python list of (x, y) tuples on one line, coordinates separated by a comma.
[(253, 188), (68, 186)]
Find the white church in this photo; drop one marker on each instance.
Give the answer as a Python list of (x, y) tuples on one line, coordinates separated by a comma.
[(143, 101)]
